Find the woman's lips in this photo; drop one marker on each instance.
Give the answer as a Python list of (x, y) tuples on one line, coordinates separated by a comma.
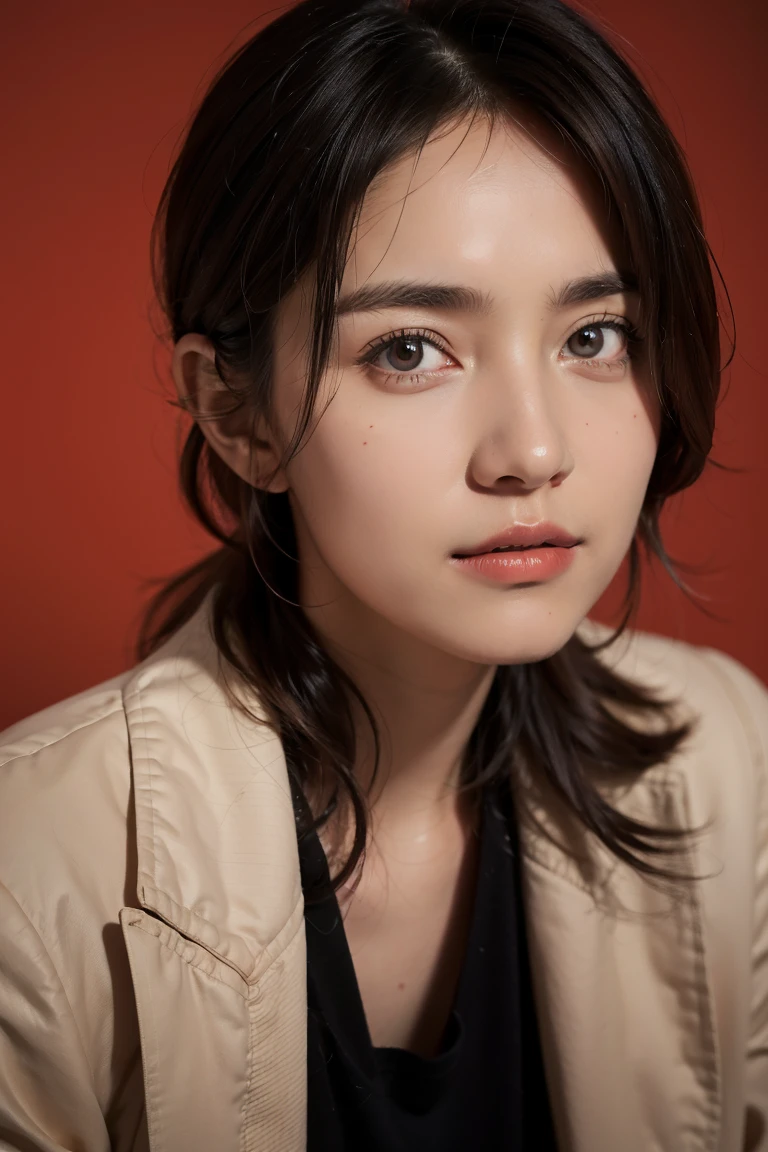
[(518, 567), (524, 535)]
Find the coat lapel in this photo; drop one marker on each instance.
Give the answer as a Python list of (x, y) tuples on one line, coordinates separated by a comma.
[(217, 946), (622, 986)]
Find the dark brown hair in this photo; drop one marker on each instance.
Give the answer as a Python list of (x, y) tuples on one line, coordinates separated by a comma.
[(267, 184)]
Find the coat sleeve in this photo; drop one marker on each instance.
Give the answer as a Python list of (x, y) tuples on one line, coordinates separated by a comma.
[(47, 1097), (754, 697)]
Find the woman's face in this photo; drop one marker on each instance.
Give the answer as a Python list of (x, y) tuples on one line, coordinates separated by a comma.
[(522, 411)]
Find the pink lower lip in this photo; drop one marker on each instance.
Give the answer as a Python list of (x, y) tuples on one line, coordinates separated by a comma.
[(518, 567)]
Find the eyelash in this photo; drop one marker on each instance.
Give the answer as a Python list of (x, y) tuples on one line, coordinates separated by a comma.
[(631, 334)]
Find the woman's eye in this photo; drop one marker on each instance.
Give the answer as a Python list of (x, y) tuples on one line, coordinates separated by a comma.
[(590, 341), (406, 354)]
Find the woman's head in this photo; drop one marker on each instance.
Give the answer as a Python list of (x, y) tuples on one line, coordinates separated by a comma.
[(502, 148), (526, 409)]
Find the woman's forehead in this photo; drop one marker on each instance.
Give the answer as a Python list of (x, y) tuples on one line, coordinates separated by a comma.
[(484, 201)]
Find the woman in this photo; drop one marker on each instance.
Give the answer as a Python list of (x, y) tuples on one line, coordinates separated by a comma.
[(384, 844)]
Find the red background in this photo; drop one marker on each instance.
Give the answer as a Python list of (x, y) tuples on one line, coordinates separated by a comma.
[(94, 98)]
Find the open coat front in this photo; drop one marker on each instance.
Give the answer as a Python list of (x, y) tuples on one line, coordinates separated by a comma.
[(152, 948)]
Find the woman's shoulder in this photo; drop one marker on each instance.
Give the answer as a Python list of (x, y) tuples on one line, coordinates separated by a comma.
[(90, 713), (708, 680), (76, 753), (64, 799), (66, 827), (60, 761), (66, 869), (71, 773), (724, 762)]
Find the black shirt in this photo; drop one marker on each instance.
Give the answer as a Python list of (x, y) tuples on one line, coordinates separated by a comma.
[(485, 1087)]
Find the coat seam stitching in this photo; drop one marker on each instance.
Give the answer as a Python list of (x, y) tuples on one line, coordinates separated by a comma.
[(148, 761), (147, 1032), (190, 963), (246, 1108), (64, 736), (711, 1053)]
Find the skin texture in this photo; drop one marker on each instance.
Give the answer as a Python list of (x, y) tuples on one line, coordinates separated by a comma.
[(509, 423)]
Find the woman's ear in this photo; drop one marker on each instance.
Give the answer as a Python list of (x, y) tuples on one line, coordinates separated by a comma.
[(252, 453)]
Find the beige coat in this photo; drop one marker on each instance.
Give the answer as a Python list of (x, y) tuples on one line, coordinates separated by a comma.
[(152, 950)]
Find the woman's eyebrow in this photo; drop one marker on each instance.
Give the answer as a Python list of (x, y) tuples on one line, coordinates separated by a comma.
[(461, 298)]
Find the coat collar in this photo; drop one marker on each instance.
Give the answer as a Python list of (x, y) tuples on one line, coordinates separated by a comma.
[(215, 831)]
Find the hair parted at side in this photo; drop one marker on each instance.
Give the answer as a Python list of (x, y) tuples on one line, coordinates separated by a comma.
[(268, 182)]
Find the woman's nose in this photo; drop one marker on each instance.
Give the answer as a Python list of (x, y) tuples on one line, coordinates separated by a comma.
[(519, 435)]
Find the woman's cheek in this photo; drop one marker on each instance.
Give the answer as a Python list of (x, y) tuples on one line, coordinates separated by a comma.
[(367, 514), (341, 492)]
